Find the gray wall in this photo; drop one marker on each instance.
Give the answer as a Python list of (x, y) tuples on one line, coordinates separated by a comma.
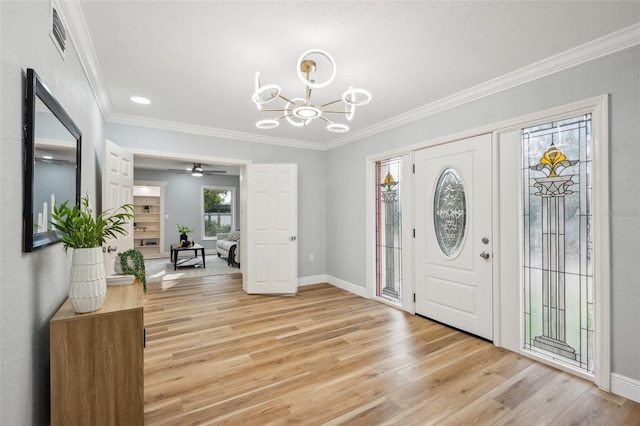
[(618, 75), (33, 285), (312, 178), (183, 202)]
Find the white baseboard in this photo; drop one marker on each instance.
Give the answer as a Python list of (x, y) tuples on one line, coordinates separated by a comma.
[(336, 282), (626, 387), (346, 285), (313, 279)]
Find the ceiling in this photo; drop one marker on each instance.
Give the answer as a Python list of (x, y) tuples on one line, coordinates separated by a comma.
[(196, 60)]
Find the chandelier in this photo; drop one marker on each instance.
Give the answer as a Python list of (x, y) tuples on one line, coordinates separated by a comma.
[(301, 111)]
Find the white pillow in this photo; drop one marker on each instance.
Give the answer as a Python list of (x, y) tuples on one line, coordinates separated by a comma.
[(234, 236)]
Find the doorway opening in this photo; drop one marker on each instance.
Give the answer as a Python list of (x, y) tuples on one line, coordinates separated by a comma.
[(174, 166)]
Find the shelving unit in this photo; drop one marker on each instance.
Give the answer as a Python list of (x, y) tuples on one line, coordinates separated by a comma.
[(147, 223)]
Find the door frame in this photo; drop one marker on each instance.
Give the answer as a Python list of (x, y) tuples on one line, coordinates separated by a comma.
[(504, 296), (218, 160), (408, 287), (598, 107)]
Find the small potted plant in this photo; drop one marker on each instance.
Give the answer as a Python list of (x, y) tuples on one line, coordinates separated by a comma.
[(131, 262), (85, 234), (184, 230)]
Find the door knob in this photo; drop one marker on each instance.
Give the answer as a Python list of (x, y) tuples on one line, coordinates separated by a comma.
[(110, 249), (484, 255), (292, 238)]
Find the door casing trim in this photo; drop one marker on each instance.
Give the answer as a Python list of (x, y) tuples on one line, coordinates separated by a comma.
[(599, 108)]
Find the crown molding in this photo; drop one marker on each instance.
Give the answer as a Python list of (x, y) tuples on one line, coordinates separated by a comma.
[(611, 43), (211, 131), (83, 44)]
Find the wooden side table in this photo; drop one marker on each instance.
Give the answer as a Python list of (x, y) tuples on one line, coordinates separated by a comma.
[(176, 249)]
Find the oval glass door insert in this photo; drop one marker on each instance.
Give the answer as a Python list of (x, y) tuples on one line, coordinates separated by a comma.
[(450, 212)]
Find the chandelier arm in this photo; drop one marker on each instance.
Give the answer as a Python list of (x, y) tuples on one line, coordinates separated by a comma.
[(274, 110), (308, 93), (333, 112), (288, 100), (330, 103), (328, 121)]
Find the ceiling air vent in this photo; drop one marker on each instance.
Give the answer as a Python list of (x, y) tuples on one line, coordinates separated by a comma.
[(58, 31)]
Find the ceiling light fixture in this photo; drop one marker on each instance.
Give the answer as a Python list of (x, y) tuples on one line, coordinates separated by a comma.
[(300, 111)]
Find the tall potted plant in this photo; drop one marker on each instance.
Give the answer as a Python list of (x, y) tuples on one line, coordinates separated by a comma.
[(85, 234)]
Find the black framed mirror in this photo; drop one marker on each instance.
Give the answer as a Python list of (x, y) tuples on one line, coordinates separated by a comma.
[(52, 150)]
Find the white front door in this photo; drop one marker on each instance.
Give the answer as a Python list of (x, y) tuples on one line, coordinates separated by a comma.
[(453, 234), (272, 229), (117, 189)]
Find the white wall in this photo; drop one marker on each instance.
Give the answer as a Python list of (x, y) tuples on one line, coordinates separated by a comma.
[(312, 177), (618, 75), (33, 285)]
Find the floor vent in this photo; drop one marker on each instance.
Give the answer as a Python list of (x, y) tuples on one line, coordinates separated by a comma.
[(58, 31)]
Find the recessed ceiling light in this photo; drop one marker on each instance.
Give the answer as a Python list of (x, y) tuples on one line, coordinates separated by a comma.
[(140, 100)]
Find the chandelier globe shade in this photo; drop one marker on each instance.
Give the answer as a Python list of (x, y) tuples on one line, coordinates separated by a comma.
[(337, 128), (267, 124), (317, 70)]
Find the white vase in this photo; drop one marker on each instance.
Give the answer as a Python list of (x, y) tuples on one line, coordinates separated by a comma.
[(88, 286)]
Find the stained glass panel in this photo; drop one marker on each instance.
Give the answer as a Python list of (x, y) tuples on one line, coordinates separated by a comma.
[(450, 212), (389, 229), (557, 266)]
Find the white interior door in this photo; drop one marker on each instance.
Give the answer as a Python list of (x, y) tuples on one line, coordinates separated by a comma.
[(272, 229), (117, 189), (453, 234)]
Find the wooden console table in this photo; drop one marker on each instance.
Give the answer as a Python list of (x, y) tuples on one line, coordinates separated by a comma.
[(97, 361)]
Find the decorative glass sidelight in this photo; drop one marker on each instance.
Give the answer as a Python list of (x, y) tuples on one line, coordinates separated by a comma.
[(450, 212), (557, 252), (389, 229)]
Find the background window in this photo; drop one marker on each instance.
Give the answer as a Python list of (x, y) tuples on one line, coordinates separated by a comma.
[(218, 211)]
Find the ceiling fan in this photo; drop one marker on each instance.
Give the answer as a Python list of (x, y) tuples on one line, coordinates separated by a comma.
[(50, 160), (197, 170)]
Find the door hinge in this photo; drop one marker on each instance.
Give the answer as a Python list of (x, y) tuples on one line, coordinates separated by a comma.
[(414, 169), (414, 232), (414, 298)]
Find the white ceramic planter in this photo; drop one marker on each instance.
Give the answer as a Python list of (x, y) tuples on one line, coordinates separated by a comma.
[(88, 286)]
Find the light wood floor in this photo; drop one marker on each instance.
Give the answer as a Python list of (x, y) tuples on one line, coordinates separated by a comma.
[(216, 355)]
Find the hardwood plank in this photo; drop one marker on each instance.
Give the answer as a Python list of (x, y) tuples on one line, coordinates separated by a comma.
[(216, 355), (590, 409)]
